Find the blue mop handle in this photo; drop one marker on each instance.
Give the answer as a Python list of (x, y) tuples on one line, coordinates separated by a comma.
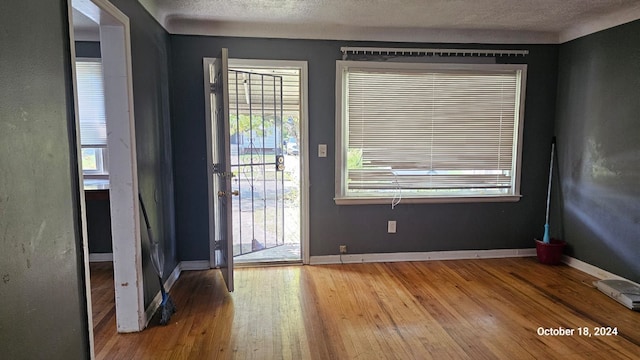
[(546, 238)]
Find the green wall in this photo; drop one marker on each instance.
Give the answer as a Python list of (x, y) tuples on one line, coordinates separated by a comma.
[(42, 297)]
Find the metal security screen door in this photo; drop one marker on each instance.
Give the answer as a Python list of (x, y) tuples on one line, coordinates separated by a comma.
[(260, 164)]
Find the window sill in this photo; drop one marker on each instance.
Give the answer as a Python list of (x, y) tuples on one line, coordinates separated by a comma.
[(429, 200), (96, 184)]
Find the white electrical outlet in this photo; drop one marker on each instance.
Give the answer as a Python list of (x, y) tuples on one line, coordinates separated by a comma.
[(391, 227), (343, 249), (322, 150)]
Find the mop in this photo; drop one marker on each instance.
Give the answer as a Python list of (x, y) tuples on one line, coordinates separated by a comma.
[(545, 238), (167, 307)]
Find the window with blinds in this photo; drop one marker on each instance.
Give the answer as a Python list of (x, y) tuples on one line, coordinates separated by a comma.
[(429, 130), (92, 117), (93, 128)]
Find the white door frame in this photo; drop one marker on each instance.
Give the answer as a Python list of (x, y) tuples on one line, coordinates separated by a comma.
[(304, 136), (115, 44)]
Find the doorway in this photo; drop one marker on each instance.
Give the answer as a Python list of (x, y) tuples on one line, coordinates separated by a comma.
[(115, 46), (265, 112), (268, 161)]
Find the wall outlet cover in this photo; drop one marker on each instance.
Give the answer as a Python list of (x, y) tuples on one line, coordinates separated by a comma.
[(391, 227)]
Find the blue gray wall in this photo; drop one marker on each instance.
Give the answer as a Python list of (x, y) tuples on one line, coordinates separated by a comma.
[(150, 63), (88, 49), (424, 227), (42, 299), (598, 128), (99, 235)]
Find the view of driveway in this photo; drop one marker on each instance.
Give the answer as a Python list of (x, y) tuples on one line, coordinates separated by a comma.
[(266, 214)]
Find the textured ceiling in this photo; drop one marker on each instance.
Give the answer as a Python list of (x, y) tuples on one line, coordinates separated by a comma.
[(372, 19)]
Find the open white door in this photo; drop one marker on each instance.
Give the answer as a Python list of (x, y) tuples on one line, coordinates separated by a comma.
[(218, 145)]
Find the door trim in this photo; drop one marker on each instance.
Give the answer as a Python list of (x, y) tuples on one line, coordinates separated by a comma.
[(127, 252)]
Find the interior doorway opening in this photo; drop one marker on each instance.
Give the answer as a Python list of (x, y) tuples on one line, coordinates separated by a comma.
[(109, 27)]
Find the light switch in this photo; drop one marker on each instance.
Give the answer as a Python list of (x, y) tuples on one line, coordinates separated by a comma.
[(322, 150)]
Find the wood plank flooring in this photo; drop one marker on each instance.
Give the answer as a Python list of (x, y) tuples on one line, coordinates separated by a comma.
[(462, 309)]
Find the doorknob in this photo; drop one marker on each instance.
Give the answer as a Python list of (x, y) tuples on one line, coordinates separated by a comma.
[(235, 193)]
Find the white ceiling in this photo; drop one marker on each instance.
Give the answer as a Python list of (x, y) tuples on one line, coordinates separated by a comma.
[(84, 29), (488, 21)]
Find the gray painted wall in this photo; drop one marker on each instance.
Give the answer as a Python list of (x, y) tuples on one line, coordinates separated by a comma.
[(42, 301), (99, 225), (424, 227), (150, 64), (598, 128)]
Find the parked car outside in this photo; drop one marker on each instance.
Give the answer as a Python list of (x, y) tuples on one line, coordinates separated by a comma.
[(292, 148)]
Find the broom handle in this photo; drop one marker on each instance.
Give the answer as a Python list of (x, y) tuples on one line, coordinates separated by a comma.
[(553, 148), (144, 213)]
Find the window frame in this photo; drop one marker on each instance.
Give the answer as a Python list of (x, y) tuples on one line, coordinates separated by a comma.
[(341, 197), (102, 163)]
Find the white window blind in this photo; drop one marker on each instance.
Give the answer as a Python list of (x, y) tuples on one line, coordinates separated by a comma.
[(430, 131), (93, 128)]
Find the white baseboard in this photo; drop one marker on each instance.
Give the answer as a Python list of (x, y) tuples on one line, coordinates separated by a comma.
[(171, 280), (173, 277), (194, 265), (421, 256), (592, 270), (155, 303), (152, 308), (100, 257)]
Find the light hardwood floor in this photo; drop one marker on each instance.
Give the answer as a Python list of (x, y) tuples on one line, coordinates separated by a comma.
[(463, 309)]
